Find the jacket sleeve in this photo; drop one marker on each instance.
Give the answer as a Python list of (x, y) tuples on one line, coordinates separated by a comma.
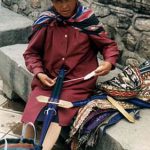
[(33, 53), (106, 46)]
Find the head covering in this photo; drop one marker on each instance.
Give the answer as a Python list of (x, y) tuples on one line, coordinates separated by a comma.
[(84, 20)]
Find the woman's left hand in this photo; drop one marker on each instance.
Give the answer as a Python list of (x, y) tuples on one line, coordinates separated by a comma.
[(103, 69)]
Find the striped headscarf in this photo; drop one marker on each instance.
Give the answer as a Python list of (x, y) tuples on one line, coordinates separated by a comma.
[(84, 20)]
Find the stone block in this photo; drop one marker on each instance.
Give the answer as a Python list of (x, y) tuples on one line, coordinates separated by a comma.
[(133, 136), (9, 92), (14, 28), (13, 71)]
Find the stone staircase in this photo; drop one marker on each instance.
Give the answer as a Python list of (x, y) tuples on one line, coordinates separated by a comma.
[(14, 30)]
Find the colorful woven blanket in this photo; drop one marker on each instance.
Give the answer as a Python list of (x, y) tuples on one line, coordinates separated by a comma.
[(130, 89)]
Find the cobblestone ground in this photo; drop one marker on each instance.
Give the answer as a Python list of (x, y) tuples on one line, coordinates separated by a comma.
[(10, 114)]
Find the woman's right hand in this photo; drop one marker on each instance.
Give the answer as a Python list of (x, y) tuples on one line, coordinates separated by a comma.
[(46, 80)]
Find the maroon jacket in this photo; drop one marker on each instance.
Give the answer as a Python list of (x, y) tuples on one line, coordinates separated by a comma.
[(61, 45)]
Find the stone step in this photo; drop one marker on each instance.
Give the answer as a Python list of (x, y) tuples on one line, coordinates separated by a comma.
[(132, 136), (16, 78), (14, 28)]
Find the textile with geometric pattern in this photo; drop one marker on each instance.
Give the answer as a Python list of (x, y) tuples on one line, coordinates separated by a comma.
[(130, 89)]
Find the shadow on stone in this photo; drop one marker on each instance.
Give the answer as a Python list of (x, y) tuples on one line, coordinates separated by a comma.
[(14, 105)]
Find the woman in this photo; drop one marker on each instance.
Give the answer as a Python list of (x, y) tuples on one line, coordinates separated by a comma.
[(69, 40)]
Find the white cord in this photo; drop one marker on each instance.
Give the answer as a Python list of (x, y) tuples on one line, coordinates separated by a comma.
[(6, 144), (74, 79), (88, 76), (24, 131)]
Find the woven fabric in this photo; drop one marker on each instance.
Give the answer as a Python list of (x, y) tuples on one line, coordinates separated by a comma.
[(126, 85), (131, 82), (131, 86), (97, 103), (144, 93)]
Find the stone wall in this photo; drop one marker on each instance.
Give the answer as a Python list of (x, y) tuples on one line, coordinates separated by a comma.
[(30, 8), (140, 6), (128, 27), (127, 21)]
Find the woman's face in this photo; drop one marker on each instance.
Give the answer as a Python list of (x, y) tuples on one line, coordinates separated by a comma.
[(65, 8)]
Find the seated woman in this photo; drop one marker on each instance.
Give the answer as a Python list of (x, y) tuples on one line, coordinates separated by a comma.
[(67, 35)]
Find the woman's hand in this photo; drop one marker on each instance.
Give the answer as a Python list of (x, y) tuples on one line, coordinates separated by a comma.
[(103, 69), (46, 80)]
